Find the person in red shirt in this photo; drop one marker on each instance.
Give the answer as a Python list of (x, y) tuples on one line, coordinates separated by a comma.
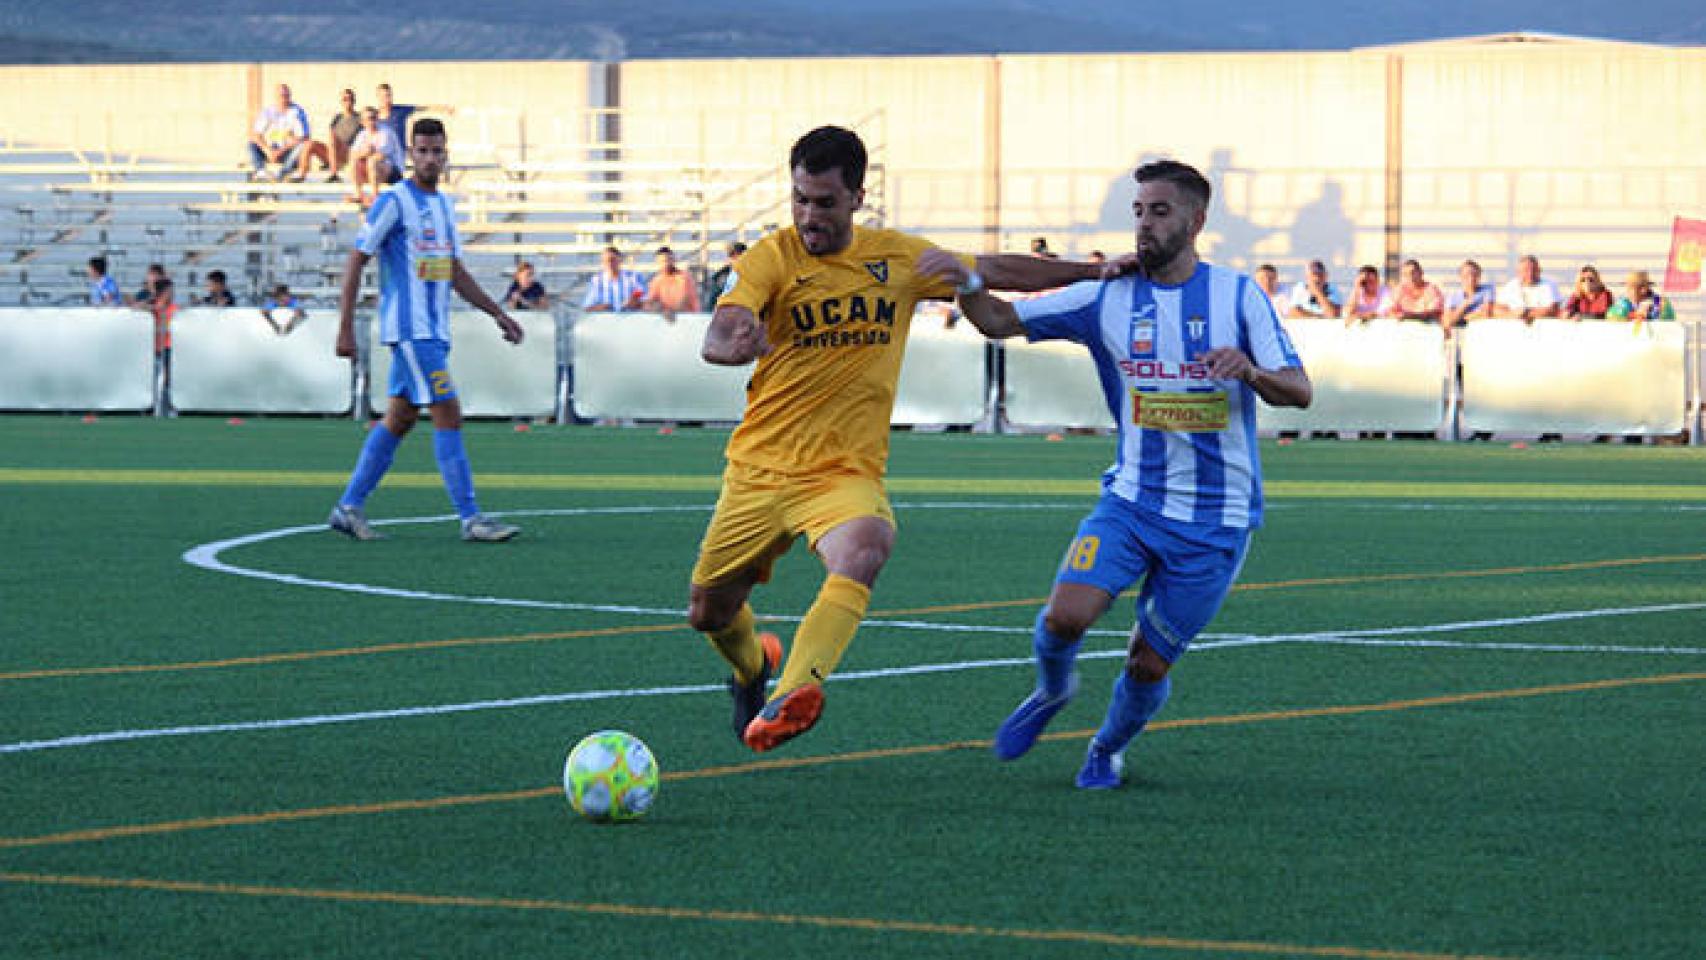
[(1590, 300), (1415, 298), (672, 289)]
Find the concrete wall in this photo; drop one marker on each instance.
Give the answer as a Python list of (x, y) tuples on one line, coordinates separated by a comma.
[(1574, 151)]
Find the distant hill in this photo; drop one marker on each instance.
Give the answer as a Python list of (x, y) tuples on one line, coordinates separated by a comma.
[(72, 31)]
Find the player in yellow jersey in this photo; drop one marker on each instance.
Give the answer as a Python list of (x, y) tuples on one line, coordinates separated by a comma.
[(824, 307)]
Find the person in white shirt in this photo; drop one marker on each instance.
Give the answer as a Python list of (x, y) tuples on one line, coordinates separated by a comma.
[(1314, 295), (376, 158), (278, 136), (1267, 278), (1528, 296)]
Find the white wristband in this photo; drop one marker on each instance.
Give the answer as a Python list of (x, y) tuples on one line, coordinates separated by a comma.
[(972, 284)]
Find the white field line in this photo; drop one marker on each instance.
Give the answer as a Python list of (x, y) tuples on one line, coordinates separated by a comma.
[(207, 555), (1379, 637)]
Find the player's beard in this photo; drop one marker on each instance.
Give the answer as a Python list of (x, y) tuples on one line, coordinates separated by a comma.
[(1156, 252), (821, 240)]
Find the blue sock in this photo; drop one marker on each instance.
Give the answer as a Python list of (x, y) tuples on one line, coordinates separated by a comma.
[(1054, 659), (370, 467), (453, 467), (1133, 704)]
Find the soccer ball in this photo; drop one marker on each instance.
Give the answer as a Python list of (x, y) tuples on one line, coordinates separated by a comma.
[(611, 775)]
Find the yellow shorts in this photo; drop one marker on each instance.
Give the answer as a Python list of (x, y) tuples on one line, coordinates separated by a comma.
[(760, 513)]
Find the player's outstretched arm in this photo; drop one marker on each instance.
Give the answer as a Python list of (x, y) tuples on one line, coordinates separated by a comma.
[(468, 289), (993, 318), (1028, 274), (735, 337)]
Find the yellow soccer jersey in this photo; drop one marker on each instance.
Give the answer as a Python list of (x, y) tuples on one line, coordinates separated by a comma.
[(820, 401)]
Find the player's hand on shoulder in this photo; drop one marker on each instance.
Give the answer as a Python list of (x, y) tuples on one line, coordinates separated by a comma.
[(1123, 265)]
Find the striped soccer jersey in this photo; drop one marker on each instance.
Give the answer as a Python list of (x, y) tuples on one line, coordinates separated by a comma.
[(413, 234), (1187, 443)]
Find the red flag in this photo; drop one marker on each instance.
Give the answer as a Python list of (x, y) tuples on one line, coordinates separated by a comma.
[(1687, 247)]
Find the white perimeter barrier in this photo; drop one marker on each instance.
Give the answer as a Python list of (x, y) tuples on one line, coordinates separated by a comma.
[(1562, 376), (639, 366), (1053, 384), (76, 359), (231, 360), (942, 377), (1376, 375), (493, 377)]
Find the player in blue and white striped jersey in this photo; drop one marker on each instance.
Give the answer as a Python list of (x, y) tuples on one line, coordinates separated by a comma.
[(1182, 350), (412, 230)]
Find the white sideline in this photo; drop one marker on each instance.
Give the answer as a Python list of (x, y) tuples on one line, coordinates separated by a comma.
[(1373, 638)]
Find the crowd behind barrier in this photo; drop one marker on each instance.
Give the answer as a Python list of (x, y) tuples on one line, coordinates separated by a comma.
[(1387, 376)]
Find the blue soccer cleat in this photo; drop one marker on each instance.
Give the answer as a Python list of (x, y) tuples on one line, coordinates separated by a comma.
[(1103, 769), (1020, 730)]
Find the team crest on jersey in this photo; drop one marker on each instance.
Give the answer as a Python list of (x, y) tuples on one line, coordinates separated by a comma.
[(1143, 336), (879, 269), (1196, 326)]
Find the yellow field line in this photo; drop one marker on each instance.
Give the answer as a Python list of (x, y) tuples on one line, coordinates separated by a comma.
[(384, 648), (301, 655), (869, 924), (634, 482), (100, 834)]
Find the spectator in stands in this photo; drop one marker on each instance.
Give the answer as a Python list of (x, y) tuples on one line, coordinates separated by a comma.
[(1369, 298), (1097, 257), (1415, 298), (613, 288), (103, 289), (1640, 301), (376, 158), (1528, 296), (718, 281), (279, 136), (1267, 278), (1039, 248), (333, 152), (1591, 300), (1314, 295), (145, 294), (217, 293), (162, 303), (1471, 299), (525, 290), (672, 289), (283, 311), (396, 115)]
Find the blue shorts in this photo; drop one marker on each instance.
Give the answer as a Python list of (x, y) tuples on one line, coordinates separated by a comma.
[(420, 370), (1187, 568)]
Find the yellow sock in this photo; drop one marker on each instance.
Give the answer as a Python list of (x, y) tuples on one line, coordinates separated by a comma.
[(738, 644), (825, 632)]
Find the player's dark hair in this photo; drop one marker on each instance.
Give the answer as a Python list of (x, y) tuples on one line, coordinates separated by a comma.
[(831, 148), (1181, 175), (99, 264), (426, 127)]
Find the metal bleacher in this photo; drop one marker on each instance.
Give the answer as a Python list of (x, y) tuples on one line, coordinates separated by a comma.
[(59, 207)]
